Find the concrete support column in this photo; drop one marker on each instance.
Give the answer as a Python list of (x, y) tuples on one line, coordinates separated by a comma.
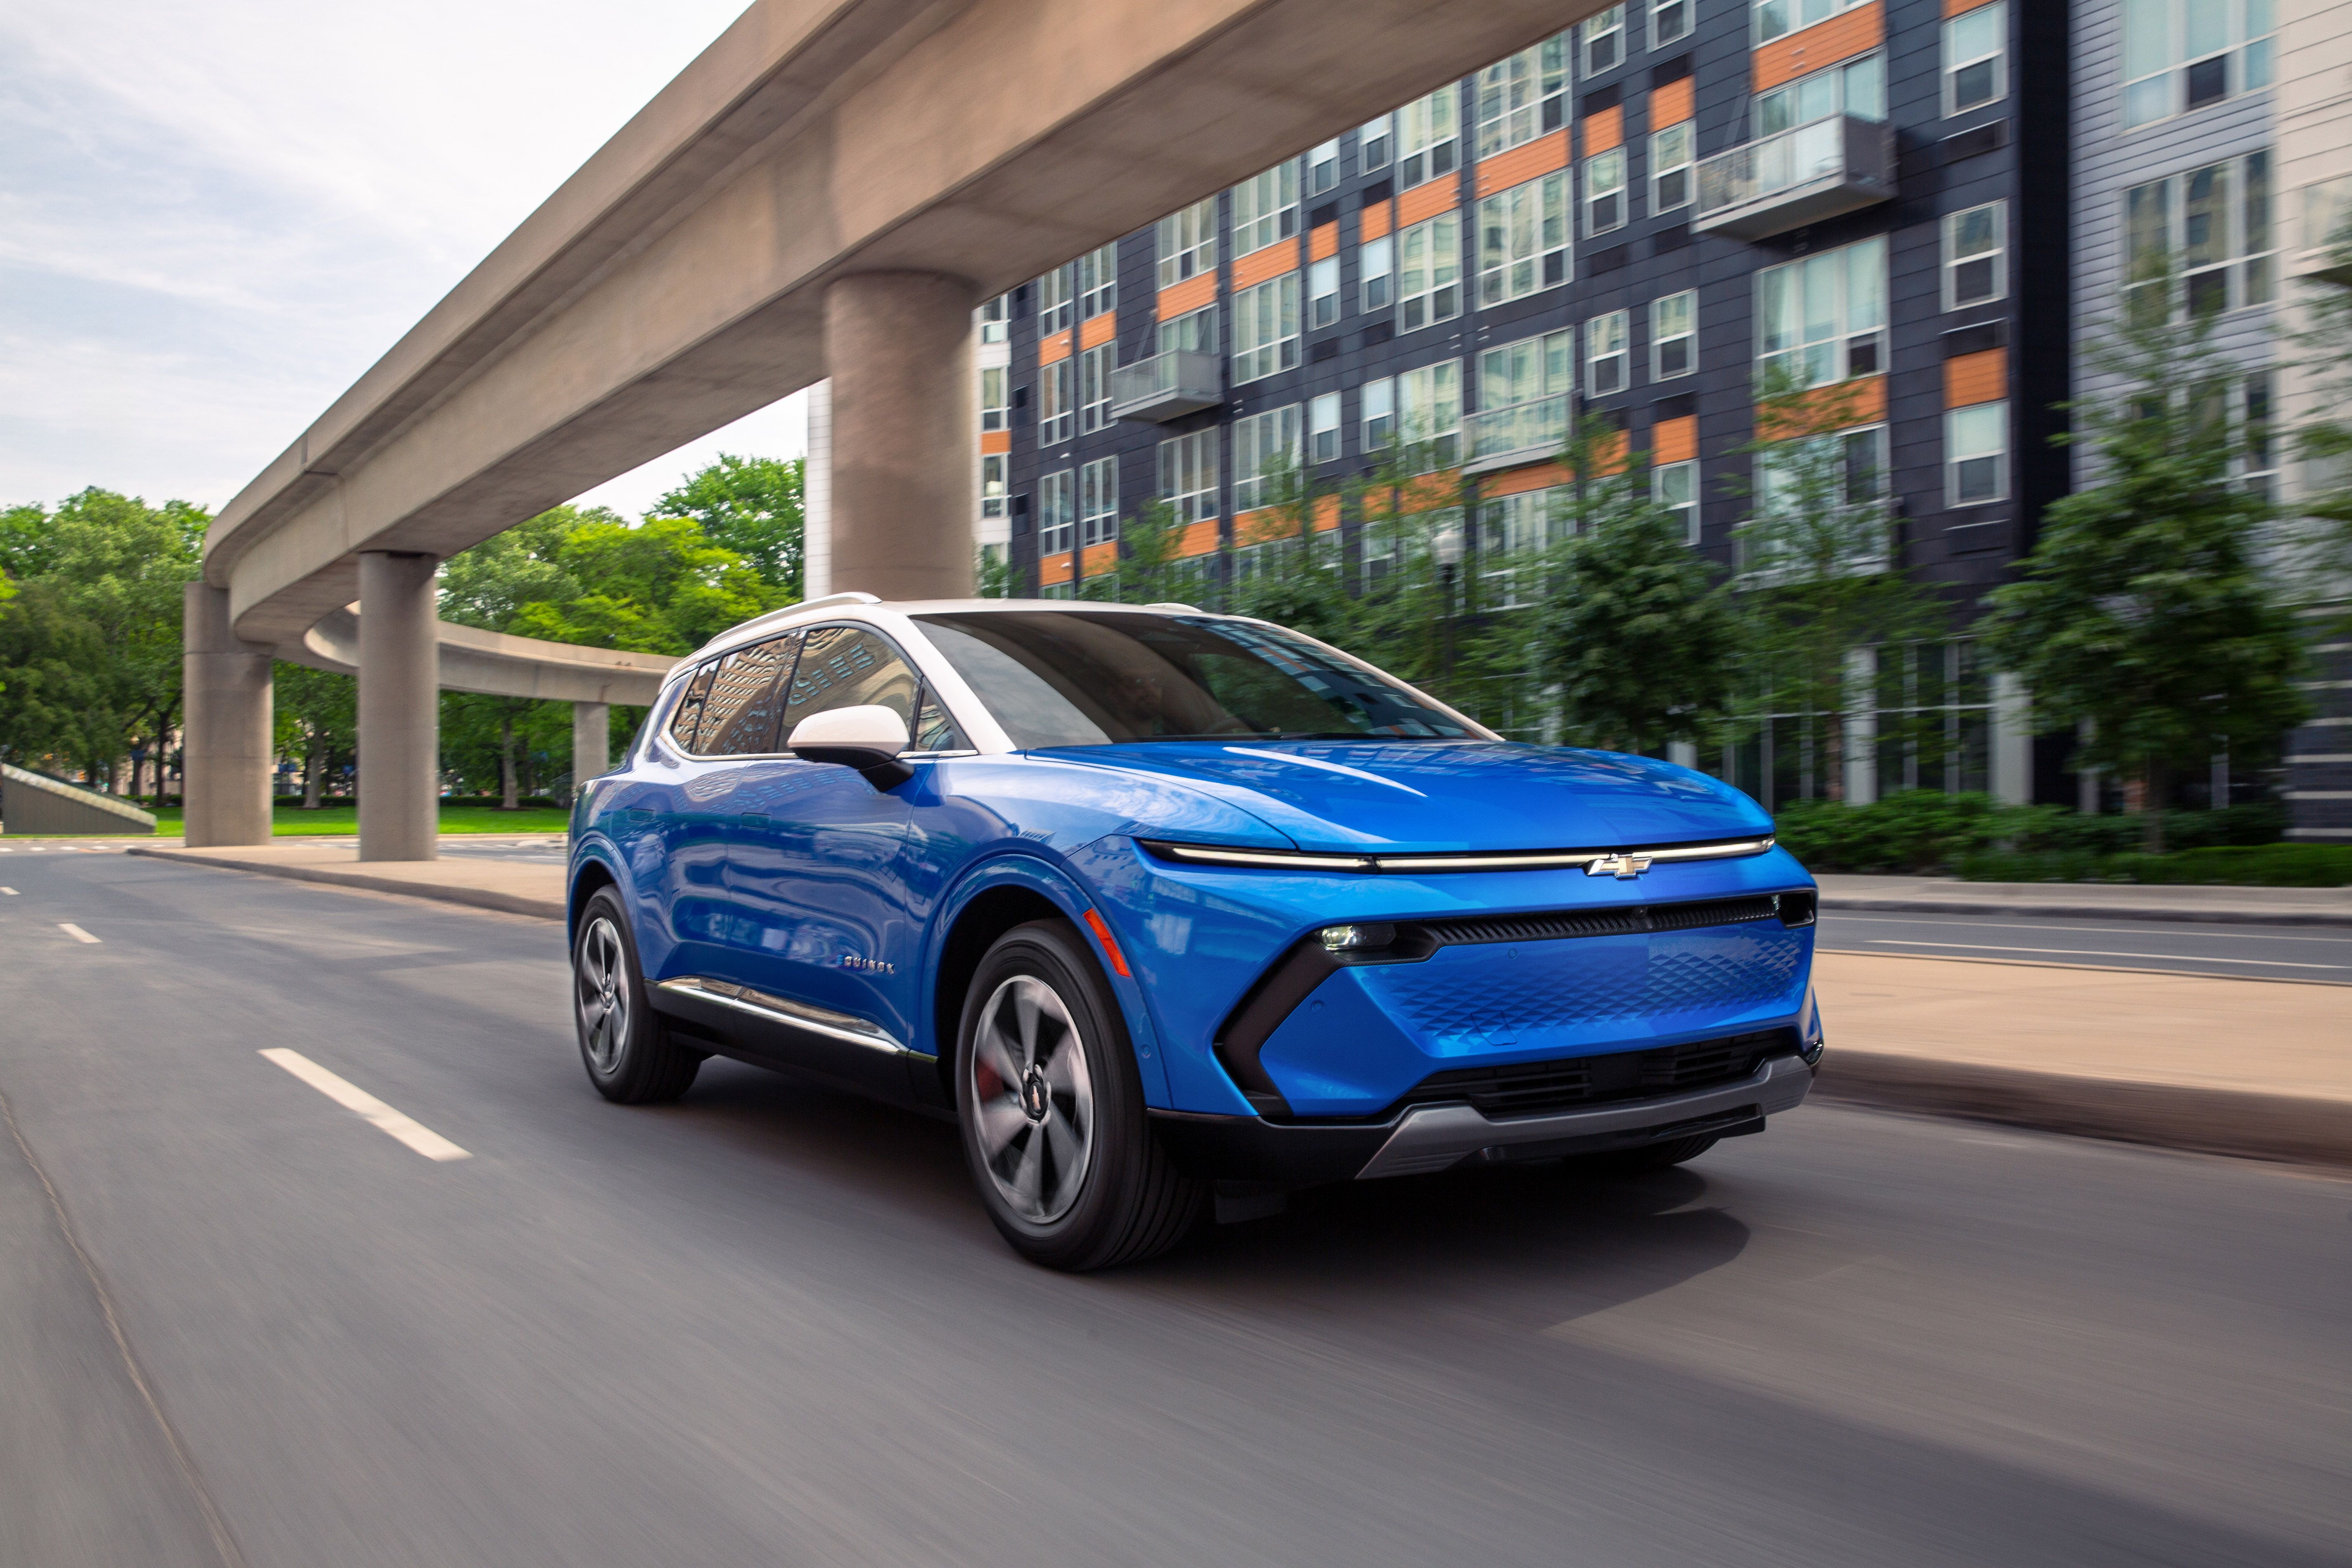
[(816, 496), (1861, 758), (897, 345), (227, 750), (2012, 740), (592, 742), (400, 708)]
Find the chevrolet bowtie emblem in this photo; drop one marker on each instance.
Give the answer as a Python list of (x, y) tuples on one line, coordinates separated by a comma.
[(1625, 867)]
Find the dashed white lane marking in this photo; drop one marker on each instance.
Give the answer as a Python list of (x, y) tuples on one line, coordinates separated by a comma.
[(7, 892), (351, 1097), (76, 933), (2093, 952)]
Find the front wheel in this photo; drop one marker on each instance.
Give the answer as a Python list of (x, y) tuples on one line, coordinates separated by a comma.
[(631, 1056), (1052, 1110)]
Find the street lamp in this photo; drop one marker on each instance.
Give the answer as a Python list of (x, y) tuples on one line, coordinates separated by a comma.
[(1447, 547)]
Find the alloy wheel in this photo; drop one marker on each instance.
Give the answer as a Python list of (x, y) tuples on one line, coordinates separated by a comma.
[(601, 988), (1033, 1097)]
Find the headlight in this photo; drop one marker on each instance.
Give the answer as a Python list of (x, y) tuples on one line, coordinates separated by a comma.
[(1345, 939)]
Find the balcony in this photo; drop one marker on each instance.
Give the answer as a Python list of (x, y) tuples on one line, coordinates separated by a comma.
[(1168, 386), (1532, 432), (1803, 176)]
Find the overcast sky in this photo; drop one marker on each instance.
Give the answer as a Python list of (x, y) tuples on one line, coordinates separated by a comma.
[(213, 217)]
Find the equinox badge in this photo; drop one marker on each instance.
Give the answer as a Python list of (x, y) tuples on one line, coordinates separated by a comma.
[(1625, 867)]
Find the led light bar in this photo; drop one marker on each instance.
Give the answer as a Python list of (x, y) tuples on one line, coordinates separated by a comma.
[(1501, 860)]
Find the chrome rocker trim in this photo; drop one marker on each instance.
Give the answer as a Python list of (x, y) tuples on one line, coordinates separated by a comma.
[(1433, 1137), (1594, 862), (775, 1009)]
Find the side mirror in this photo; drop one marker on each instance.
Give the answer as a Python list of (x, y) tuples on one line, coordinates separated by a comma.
[(867, 738)]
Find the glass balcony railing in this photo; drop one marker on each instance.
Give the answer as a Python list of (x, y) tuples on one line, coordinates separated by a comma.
[(1797, 178), (1168, 386), (1528, 432)]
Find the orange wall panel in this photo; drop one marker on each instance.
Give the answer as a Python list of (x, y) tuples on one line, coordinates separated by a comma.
[(1427, 200), (1188, 295), (1842, 37), (1674, 440), (1954, 7), (1097, 330), (1054, 570), (1520, 165), (1976, 378), (1198, 538), (1055, 349), (997, 441), (1266, 261), (1838, 406), (1604, 129), (1326, 513), (1518, 481), (1670, 104), (1375, 220), (1102, 558), (1323, 242)]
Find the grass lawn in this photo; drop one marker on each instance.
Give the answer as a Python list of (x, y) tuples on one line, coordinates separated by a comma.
[(344, 817)]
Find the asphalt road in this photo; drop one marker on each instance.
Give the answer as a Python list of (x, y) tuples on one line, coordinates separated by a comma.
[(770, 1325), (2319, 953)]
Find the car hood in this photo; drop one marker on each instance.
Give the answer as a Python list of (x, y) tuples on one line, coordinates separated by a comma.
[(1440, 795)]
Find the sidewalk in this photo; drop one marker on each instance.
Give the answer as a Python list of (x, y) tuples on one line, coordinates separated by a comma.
[(2254, 1068)]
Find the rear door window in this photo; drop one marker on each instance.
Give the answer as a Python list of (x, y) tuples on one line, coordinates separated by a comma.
[(738, 715)]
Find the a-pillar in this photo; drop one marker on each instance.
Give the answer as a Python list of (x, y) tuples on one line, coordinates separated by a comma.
[(226, 753), (400, 708), (898, 350), (592, 742)]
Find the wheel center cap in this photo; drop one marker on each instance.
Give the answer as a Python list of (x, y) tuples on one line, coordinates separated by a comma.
[(1036, 1099)]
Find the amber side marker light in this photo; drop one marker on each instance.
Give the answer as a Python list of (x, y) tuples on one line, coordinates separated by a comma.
[(1110, 944)]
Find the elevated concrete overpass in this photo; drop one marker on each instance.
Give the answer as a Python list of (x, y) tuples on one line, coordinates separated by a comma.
[(826, 191)]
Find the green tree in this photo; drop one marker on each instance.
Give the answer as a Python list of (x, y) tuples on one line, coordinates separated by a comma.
[(1638, 638), (752, 506), (2142, 613), (317, 714)]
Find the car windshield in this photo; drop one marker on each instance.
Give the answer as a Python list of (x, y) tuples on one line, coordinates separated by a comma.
[(1056, 678)]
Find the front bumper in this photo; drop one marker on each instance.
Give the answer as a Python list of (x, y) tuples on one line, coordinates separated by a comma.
[(1427, 1138)]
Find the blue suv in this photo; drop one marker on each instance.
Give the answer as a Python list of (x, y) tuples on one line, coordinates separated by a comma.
[(1161, 905)]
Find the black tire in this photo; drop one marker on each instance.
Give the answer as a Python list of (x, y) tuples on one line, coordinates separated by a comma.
[(630, 1054), (1063, 1155), (1654, 1157)]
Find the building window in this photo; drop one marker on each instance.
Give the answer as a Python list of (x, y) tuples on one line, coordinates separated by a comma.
[(1607, 360), (1057, 511), (1604, 191), (1430, 403), (1266, 207), (1521, 98), (1512, 531), (1263, 445), (1775, 18), (1670, 168), (1670, 20), (1378, 414), (1523, 239), (1323, 167), (1056, 403), (1975, 255), (1375, 269), (992, 398), (1098, 281), (992, 484), (1188, 475), (1095, 366), (1098, 501), (1674, 335), (1976, 454), (1603, 38), (1674, 487), (1857, 87), (2182, 55), (1323, 427), (1428, 137), (1429, 273), (993, 319), (1054, 301), (1852, 462), (1976, 57), (1323, 291), (1265, 328), (1524, 395), (1375, 144), (2257, 464), (1195, 331), (2212, 228), (1188, 243), (1824, 318)]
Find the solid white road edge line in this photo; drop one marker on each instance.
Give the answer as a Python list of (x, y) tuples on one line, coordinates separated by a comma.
[(2093, 952), (351, 1097), (76, 931)]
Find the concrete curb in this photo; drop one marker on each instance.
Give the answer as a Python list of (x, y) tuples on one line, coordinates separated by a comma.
[(1851, 904), (335, 876), (2173, 1116)]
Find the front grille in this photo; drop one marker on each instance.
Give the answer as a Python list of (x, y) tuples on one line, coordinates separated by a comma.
[(1531, 1088), (1635, 922)]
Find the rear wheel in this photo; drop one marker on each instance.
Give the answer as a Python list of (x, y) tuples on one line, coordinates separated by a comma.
[(1654, 1157), (1052, 1110), (631, 1056)]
